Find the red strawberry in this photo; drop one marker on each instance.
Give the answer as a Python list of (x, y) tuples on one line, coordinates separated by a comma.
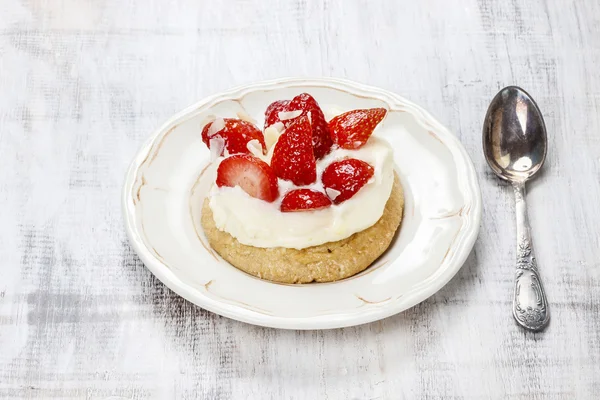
[(235, 133), (321, 138), (304, 200), (272, 113), (293, 157), (251, 174), (352, 129), (346, 177)]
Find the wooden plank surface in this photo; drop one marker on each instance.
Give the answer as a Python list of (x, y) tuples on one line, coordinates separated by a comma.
[(84, 82)]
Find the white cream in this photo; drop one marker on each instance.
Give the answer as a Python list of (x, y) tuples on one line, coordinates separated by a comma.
[(260, 224)]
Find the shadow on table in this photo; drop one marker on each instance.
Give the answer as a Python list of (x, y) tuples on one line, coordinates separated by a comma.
[(178, 313)]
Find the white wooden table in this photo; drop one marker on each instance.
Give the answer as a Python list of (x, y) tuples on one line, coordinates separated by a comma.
[(84, 82)]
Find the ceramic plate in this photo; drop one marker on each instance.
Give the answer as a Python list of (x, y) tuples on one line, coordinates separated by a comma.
[(169, 178)]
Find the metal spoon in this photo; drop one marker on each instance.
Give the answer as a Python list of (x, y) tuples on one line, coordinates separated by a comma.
[(514, 144)]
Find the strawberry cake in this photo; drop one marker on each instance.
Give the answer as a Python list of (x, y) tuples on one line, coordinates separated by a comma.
[(304, 200)]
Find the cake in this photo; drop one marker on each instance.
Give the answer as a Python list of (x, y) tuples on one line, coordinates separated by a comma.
[(305, 199)]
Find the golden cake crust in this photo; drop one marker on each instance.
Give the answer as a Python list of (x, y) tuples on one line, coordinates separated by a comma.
[(323, 263)]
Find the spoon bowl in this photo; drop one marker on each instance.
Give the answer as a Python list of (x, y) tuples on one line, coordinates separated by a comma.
[(514, 135)]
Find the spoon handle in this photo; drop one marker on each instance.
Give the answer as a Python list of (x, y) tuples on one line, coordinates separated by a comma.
[(530, 306)]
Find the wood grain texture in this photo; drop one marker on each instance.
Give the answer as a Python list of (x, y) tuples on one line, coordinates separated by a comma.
[(84, 82)]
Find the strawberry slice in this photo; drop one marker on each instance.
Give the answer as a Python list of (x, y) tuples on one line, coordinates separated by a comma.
[(253, 175), (306, 105), (234, 134), (321, 137), (304, 200), (272, 112), (352, 129), (344, 178), (293, 158)]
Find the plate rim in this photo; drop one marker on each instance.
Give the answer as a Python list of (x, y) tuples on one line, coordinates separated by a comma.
[(409, 300)]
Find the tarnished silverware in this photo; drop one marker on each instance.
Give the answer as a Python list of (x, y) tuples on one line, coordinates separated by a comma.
[(515, 144)]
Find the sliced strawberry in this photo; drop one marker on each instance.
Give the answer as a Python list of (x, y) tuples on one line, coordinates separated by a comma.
[(352, 129), (321, 137), (306, 105), (304, 200), (345, 178), (235, 133), (293, 157), (272, 112), (253, 175)]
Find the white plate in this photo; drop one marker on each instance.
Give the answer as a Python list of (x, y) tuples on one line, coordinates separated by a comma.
[(164, 188)]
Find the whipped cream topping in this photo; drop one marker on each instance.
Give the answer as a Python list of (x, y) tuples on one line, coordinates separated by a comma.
[(258, 223)]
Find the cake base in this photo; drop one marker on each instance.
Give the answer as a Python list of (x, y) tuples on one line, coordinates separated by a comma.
[(323, 263)]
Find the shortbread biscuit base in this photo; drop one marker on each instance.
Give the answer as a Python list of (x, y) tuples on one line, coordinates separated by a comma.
[(323, 263)]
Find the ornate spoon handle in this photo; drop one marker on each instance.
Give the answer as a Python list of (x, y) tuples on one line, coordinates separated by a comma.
[(530, 306)]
